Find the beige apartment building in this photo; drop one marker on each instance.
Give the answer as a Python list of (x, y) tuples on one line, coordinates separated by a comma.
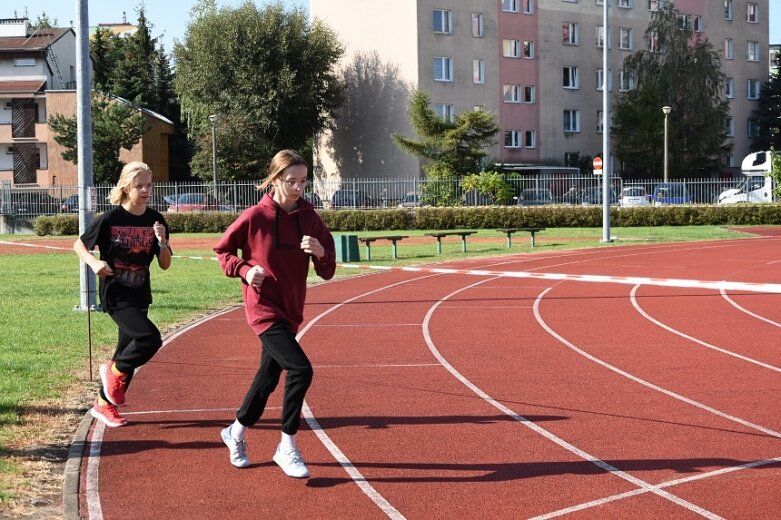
[(536, 64)]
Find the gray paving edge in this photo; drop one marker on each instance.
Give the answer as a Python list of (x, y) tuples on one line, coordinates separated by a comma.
[(70, 488)]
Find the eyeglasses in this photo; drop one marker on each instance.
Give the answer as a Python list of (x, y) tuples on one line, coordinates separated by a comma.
[(142, 186)]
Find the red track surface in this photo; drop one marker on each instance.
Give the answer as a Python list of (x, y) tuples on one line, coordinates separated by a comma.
[(454, 396)]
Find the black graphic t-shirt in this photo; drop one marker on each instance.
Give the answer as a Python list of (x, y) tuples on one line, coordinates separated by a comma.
[(128, 245)]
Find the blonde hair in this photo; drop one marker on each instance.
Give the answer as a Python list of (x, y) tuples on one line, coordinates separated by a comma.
[(283, 160), (129, 172)]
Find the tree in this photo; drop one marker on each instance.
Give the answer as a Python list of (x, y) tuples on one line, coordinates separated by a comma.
[(269, 74), (456, 146), (681, 71), (134, 76), (43, 22), (768, 115), (115, 125), (106, 51)]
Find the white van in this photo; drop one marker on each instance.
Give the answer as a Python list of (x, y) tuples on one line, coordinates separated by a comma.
[(757, 186)]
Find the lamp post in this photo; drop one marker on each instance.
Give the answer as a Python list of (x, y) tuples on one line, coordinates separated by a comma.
[(213, 121), (666, 111)]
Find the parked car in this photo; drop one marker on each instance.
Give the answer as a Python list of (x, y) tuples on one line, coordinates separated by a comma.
[(634, 196), (350, 199), (535, 197), (197, 202), (410, 200), (667, 193), (569, 197), (70, 204), (593, 196), (30, 202)]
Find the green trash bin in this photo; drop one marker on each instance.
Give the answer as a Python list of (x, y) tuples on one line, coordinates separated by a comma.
[(347, 248)]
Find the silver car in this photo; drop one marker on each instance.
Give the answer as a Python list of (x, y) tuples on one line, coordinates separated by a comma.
[(634, 196)]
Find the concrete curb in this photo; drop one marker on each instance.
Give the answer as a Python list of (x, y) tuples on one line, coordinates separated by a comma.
[(71, 486)]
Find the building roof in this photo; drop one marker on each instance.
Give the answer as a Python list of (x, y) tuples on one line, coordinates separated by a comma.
[(22, 87), (37, 41)]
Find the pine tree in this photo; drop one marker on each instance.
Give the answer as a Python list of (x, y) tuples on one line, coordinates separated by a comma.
[(768, 115)]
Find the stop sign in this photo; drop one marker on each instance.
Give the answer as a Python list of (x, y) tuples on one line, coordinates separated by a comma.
[(597, 163)]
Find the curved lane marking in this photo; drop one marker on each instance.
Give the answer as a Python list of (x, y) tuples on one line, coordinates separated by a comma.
[(743, 309), (636, 305), (643, 485)]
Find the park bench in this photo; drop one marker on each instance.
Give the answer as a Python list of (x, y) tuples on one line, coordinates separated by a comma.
[(441, 234), (392, 238), (531, 230)]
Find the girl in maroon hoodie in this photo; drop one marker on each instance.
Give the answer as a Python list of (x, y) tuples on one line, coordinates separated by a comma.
[(277, 237)]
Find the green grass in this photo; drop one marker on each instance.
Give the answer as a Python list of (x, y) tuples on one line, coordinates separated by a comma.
[(44, 348)]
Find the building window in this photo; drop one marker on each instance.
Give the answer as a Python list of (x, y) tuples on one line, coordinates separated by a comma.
[(529, 94), (478, 71), (600, 37), (684, 22), (601, 80), (697, 21), (443, 21), (625, 38), (752, 51), (729, 88), (653, 41), (728, 9), (729, 49), (626, 4), (24, 62), (753, 89), (730, 127), (752, 13), (653, 5), (478, 25), (510, 6), (570, 77), (530, 139), (571, 121), (569, 33), (528, 49), (528, 6), (511, 48), (445, 111), (752, 127), (626, 81), (512, 93), (443, 69), (512, 138)]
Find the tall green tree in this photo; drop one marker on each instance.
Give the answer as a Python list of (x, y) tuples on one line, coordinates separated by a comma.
[(268, 73), (457, 146), (106, 50), (682, 71), (768, 115), (115, 125), (135, 73)]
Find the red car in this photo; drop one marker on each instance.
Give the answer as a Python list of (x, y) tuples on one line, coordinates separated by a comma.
[(196, 202)]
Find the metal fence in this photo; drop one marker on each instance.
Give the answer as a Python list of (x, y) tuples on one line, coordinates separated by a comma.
[(358, 193)]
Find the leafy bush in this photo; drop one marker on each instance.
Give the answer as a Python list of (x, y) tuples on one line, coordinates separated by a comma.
[(66, 224)]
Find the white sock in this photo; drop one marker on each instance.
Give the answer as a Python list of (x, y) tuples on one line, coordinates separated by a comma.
[(288, 441), (238, 430)]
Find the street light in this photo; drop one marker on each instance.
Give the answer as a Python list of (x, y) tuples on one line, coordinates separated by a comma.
[(213, 121), (666, 111)]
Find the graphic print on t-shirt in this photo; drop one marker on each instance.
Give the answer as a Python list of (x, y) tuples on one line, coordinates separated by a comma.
[(133, 245)]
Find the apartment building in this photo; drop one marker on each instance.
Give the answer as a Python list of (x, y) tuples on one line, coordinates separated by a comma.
[(537, 65), (37, 80)]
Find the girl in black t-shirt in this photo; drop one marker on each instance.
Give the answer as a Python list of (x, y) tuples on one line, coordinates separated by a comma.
[(128, 236)]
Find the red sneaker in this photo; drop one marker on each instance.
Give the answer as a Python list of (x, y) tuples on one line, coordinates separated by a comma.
[(107, 414), (113, 385)]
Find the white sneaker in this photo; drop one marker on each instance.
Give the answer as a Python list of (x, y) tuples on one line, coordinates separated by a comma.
[(238, 449), (291, 461)]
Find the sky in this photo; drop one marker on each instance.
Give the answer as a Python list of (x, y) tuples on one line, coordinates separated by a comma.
[(170, 17)]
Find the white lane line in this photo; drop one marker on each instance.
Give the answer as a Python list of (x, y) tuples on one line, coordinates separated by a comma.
[(669, 483), (355, 474), (636, 305), (643, 485), (94, 509), (643, 382), (743, 309)]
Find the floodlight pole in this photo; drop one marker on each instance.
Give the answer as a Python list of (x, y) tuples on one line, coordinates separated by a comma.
[(213, 120), (606, 163), (84, 145)]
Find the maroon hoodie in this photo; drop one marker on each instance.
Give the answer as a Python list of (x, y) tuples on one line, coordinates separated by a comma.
[(270, 237)]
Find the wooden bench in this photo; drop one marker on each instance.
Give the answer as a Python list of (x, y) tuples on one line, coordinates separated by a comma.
[(393, 239), (440, 234), (509, 232)]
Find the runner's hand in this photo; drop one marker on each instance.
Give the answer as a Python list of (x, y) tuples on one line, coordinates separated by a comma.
[(255, 276), (312, 246)]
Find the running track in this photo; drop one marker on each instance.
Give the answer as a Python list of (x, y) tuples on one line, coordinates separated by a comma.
[(467, 396)]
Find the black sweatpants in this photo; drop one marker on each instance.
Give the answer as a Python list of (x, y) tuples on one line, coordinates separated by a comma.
[(138, 340), (280, 352)]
